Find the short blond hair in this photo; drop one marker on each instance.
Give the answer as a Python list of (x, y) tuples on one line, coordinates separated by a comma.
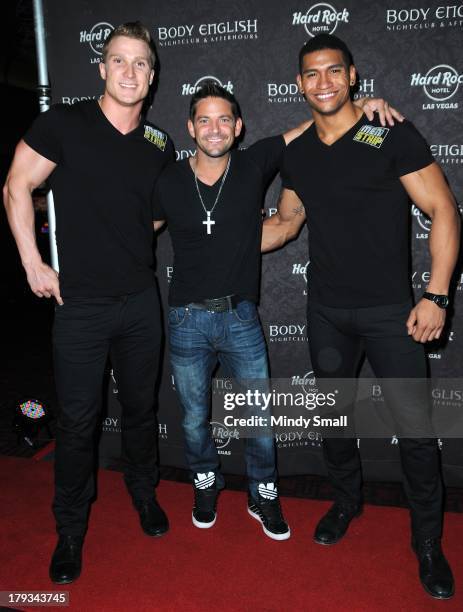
[(132, 29)]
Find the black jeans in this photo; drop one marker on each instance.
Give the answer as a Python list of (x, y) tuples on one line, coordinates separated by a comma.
[(338, 339), (86, 331)]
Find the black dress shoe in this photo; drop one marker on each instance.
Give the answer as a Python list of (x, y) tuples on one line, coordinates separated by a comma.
[(66, 562), (334, 524), (153, 519), (435, 573)]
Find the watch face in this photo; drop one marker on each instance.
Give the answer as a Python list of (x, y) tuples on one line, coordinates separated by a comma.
[(442, 301)]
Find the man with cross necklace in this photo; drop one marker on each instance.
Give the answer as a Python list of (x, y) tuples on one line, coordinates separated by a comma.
[(212, 203)]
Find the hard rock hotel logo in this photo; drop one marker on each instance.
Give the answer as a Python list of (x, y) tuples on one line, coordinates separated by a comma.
[(440, 84), (301, 269), (423, 223), (223, 437), (95, 37), (320, 18), (189, 89)]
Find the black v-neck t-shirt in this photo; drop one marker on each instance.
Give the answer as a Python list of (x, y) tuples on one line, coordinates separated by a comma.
[(227, 261), (357, 210), (102, 188)]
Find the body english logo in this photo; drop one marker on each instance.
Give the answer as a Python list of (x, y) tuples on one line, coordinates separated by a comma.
[(440, 16)]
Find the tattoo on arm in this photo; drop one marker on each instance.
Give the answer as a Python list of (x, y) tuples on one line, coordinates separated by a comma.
[(299, 210)]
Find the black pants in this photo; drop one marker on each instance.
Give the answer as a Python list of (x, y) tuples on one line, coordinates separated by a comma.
[(86, 330), (338, 339)]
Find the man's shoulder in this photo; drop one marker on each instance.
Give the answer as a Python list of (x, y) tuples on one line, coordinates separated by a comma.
[(388, 134), (59, 111), (157, 136), (77, 109), (268, 144), (261, 153), (154, 127), (173, 173), (404, 129), (303, 140), (370, 138), (64, 116), (52, 128)]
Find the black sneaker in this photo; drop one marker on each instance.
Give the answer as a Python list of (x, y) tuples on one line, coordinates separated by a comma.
[(267, 510), (204, 510)]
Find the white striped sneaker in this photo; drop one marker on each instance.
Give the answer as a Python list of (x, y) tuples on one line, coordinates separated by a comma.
[(204, 512), (266, 509)]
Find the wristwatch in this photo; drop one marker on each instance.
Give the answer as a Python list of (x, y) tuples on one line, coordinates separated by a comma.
[(441, 300)]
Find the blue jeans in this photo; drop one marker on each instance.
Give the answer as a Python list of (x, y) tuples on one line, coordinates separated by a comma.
[(197, 339)]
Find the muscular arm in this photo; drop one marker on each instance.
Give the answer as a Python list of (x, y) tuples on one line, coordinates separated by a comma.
[(28, 171), (429, 191), (285, 224)]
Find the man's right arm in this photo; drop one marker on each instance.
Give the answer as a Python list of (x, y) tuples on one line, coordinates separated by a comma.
[(29, 170), (285, 224)]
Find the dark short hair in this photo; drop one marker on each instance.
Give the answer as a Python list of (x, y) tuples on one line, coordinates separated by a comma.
[(326, 41), (132, 29), (210, 89)]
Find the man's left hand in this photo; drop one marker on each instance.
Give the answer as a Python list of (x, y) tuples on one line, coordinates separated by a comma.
[(426, 321), (386, 113)]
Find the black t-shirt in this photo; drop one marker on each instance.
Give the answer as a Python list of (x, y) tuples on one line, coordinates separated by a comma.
[(227, 261), (102, 188), (357, 210)]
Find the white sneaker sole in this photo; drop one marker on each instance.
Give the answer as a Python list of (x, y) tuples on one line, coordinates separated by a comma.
[(200, 525), (274, 536)]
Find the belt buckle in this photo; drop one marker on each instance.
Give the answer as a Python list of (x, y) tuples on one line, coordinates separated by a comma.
[(217, 305)]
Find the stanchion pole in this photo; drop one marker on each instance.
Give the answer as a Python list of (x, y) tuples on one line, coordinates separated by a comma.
[(43, 90)]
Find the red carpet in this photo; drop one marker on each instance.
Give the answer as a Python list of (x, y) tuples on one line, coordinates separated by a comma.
[(231, 567)]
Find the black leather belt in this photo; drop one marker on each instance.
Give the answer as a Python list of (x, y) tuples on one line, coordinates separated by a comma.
[(222, 304)]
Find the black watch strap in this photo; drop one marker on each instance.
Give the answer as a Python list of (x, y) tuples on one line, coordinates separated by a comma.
[(441, 300)]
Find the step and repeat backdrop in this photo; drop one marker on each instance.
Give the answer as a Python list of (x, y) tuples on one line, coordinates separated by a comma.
[(408, 52)]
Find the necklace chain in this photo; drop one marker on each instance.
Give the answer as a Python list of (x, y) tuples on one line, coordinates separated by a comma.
[(209, 212)]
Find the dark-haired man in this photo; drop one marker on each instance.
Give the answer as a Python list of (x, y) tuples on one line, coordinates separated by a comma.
[(212, 203), (103, 159), (360, 298)]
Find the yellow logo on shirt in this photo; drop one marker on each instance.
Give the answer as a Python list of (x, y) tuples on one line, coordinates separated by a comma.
[(371, 135), (156, 137)]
